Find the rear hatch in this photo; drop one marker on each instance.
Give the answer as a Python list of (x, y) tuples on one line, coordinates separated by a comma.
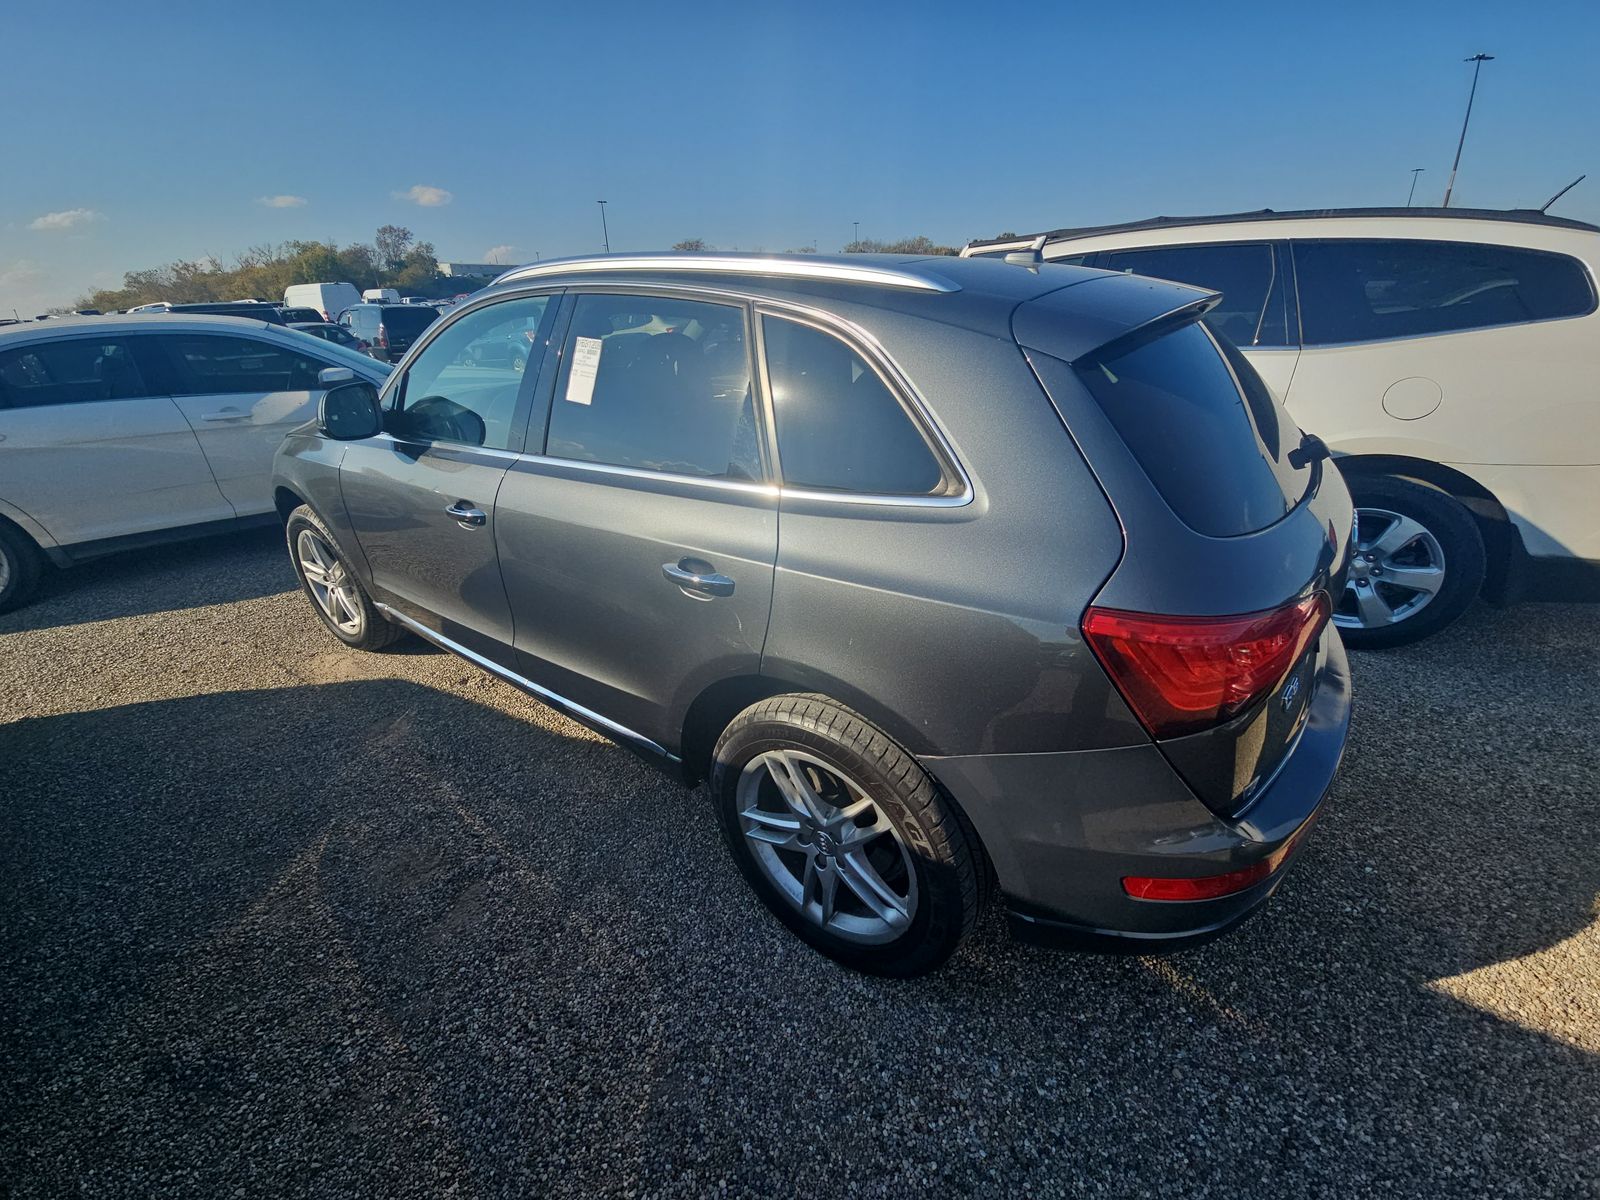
[(404, 323), (1236, 531)]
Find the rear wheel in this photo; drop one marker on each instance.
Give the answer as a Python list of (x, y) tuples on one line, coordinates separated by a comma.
[(845, 837), (1419, 561), (332, 587), (19, 568)]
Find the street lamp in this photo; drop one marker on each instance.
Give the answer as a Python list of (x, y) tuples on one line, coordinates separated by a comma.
[(1415, 171), (1477, 60), (856, 241), (604, 232)]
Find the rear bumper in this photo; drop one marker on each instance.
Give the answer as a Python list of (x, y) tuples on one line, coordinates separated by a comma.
[(1064, 829)]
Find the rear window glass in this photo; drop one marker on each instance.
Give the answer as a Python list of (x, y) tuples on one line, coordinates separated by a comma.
[(408, 319), (1355, 291), (1216, 453)]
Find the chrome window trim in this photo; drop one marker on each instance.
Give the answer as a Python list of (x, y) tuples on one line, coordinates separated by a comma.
[(722, 264), (586, 715), (509, 456), (753, 487)]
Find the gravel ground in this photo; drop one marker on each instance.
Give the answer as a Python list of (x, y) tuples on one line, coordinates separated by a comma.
[(283, 919)]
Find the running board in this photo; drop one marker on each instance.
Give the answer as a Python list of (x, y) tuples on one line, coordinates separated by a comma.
[(571, 708)]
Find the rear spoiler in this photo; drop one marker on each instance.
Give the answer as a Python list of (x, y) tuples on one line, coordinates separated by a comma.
[(1106, 316)]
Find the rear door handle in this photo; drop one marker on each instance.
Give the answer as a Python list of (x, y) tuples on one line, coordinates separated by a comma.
[(227, 414), (698, 579), (466, 516)]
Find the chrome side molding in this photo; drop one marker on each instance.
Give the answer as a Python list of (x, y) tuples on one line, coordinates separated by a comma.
[(573, 709)]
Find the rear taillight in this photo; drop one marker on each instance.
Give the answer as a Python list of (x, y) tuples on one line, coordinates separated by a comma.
[(1184, 674), (1210, 887), (382, 342)]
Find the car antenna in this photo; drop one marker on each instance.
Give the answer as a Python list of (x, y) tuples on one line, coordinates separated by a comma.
[(1032, 256), (1545, 206)]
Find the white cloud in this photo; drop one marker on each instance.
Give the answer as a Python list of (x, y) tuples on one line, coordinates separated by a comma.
[(60, 222), (283, 201), (498, 254), (427, 197)]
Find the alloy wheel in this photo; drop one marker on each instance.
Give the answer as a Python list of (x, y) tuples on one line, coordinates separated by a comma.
[(331, 585), (827, 847), (1397, 570)]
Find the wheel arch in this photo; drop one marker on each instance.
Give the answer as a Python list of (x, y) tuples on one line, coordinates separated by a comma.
[(286, 500), (1501, 542)]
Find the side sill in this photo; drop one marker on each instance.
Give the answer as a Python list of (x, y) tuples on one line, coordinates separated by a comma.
[(605, 725)]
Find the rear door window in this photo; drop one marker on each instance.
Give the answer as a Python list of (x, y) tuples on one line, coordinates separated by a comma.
[(657, 384), (69, 371), (408, 320), (840, 427), (1354, 290), (1252, 312), (215, 364), (1216, 449)]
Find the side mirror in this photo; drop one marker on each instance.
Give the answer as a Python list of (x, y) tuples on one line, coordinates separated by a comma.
[(350, 411), (329, 376)]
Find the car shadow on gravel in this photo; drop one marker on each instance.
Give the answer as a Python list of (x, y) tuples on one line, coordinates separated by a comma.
[(243, 565), (372, 938)]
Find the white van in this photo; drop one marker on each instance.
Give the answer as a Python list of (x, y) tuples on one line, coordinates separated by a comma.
[(381, 296), (1450, 358), (329, 299)]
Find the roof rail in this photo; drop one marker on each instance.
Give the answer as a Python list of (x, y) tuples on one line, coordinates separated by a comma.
[(799, 267)]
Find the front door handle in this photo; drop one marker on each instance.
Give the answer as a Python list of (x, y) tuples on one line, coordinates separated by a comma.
[(697, 579), (227, 414), (466, 516)]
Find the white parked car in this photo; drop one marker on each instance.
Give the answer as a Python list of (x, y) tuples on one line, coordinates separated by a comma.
[(120, 431), (1449, 357), (329, 299)]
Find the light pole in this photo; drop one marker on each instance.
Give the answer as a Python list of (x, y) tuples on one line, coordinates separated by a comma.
[(1415, 171), (604, 232), (856, 241), (1477, 60)]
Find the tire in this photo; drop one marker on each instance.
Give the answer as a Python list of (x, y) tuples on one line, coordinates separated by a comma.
[(931, 876), (19, 567), (359, 624), (1408, 535)]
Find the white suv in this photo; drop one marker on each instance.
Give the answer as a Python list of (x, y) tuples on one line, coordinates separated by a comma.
[(1449, 357), (120, 431)]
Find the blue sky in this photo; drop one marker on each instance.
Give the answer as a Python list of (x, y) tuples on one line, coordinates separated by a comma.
[(134, 134)]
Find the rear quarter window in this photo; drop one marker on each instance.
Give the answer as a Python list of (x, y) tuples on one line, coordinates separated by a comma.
[(1217, 450), (1354, 290)]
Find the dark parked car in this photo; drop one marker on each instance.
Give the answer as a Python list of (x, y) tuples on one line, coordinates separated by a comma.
[(301, 316), (944, 574), (328, 332), (387, 329)]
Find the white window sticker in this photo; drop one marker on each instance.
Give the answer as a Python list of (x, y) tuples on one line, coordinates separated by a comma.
[(585, 365)]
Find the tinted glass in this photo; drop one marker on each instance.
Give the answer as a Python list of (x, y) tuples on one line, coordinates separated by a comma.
[(209, 364), (1177, 408), (408, 320), (1353, 291), (658, 384), (293, 315), (839, 426), (454, 392), (1243, 273), (75, 371)]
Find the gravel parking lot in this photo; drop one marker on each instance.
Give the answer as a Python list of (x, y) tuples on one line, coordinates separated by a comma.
[(285, 919)]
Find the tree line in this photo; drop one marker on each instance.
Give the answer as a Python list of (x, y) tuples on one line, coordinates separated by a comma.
[(393, 259)]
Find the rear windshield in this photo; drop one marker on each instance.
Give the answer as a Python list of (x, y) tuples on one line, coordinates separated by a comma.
[(1216, 450), (408, 319)]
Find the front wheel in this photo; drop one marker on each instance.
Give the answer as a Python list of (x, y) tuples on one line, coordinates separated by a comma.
[(19, 568), (332, 587), (1418, 563), (845, 837)]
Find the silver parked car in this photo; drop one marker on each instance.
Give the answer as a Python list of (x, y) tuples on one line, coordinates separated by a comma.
[(119, 431)]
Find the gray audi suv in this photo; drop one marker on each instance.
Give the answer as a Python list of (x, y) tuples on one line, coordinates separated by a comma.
[(947, 576)]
